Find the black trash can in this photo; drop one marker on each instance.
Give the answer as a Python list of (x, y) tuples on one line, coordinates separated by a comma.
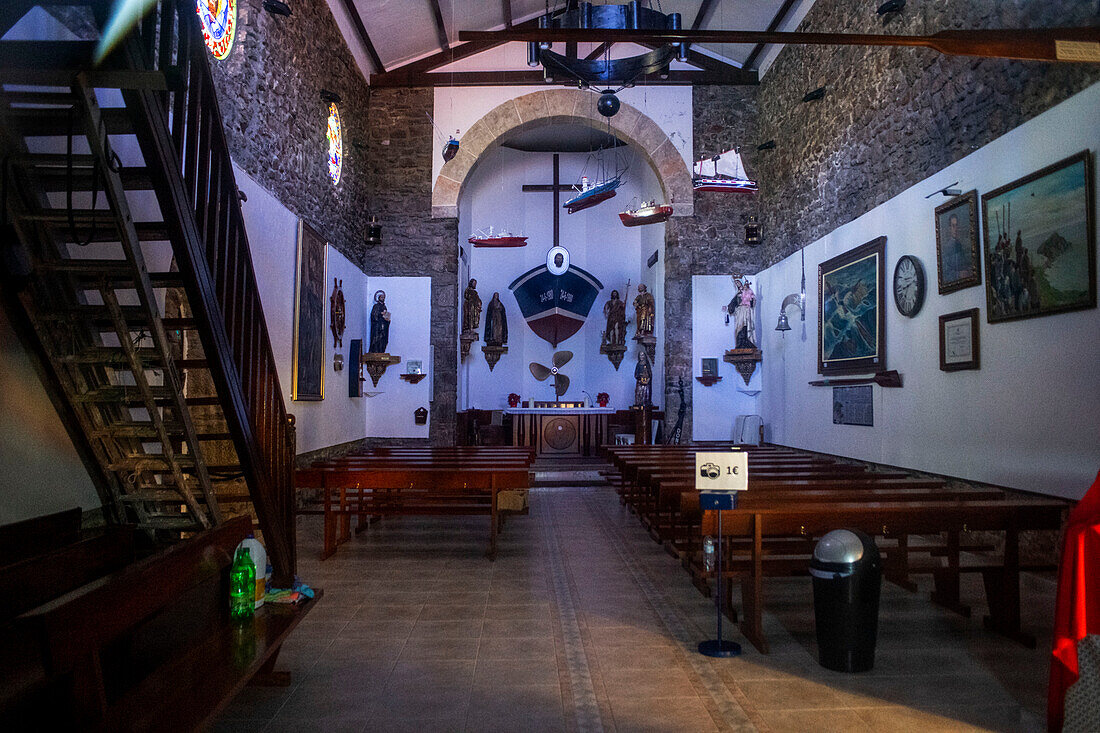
[(847, 576)]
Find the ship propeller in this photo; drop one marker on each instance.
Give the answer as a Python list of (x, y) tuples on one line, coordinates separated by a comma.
[(542, 373)]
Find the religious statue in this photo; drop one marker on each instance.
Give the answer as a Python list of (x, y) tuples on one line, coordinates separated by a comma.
[(645, 313), (496, 322), (379, 324), (614, 310), (337, 313), (643, 376), (744, 323), (678, 429), (471, 307)]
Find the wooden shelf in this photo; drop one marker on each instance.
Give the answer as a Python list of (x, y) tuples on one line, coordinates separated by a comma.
[(412, 378), (708, 381), (882, 379)]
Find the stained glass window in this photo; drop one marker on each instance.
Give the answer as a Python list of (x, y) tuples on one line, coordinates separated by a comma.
[(219, 25), (335, 144)]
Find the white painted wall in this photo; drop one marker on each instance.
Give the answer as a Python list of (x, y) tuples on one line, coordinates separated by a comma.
[(458, 108), (714, 408), (597, 242), (1028, 419), (409, 301), (273, 238)]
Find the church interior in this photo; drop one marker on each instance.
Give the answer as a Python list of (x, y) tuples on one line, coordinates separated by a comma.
[(447, 365)]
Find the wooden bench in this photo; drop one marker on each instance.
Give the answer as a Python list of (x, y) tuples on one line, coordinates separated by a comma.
[(150, 647)]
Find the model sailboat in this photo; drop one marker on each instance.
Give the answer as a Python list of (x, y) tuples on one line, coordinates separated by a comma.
[(589, 193), (648, 213), (723, 172)]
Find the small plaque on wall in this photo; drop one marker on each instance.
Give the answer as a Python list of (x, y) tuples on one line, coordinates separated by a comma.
[(853, 406)]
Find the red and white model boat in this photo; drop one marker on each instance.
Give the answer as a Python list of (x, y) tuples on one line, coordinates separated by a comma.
[(723, 172), (648, 213), (499, 239)]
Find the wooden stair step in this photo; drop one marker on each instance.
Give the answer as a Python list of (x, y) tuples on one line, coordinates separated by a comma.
[(170, 523), (55, 122), (130, 396), (56, 179), (66, 98), (111, 356), (115, 271), (104, 221), (146, 430)]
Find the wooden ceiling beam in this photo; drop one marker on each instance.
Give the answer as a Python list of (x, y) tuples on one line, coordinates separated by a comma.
[(364, 38), (701, 16), (777, 20), (507, 13), (523, 78), (599, 50), (440, 28)]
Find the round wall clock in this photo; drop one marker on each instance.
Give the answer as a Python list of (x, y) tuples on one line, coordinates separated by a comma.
[(908, 285)]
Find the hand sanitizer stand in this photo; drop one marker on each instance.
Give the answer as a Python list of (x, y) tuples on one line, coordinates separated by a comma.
[(718, 501)]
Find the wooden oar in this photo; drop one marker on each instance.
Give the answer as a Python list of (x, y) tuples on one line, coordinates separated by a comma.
[(1037, 44)]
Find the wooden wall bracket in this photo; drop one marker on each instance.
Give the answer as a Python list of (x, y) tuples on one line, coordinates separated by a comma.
[(883, 379), (708, 380)]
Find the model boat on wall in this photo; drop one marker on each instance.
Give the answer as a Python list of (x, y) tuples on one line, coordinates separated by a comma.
[(555, 306), (497, 239), (591, 194), (450, 148), (723, 172), (648, 213)]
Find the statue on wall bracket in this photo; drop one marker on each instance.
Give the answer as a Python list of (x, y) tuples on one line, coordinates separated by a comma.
[(645, 314), (377, 360), (496, 331), (613, 338), (746, 353), (471, 317), (643, 380), (337, 312)]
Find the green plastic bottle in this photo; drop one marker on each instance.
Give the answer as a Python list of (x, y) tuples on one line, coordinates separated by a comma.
[(242, 586)]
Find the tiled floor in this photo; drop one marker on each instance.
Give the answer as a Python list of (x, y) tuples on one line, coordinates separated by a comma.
[(584, 623)]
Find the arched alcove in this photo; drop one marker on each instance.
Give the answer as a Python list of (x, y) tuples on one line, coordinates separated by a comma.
[(568, 106)]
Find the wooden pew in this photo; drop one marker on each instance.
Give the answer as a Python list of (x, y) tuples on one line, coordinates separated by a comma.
[(150, 647), (39, 535)]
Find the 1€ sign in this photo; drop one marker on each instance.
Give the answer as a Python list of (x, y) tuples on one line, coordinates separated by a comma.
[(726, 471)]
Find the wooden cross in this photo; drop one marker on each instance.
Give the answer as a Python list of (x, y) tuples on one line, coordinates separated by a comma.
[(556, 188)]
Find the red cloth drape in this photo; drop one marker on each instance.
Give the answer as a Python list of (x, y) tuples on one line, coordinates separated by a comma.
[(1077, 612)]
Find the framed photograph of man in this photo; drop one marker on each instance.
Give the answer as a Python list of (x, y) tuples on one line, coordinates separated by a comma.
[(957, 255), (851, 311), (1040, 242)]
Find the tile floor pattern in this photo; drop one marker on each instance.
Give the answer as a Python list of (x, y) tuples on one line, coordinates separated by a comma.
[(584, 623)]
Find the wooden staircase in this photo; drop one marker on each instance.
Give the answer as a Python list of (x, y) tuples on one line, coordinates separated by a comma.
[(128, 276)]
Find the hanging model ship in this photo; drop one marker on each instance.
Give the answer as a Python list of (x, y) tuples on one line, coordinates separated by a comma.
[(723, 172), (648, 213), (450, 149), (591, 194), (499, 239)]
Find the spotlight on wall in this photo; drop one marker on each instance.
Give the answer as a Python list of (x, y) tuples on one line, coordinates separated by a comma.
[(330, 97), (891, 6), (815, 95), (276, 8), (770, 145), (948, 190), (374, 231)]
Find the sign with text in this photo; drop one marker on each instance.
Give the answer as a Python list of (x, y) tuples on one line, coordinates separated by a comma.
[(726, 471)]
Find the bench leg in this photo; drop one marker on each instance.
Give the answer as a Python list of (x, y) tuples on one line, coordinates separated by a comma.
[(752, 592), (493, 516), (330, 528), (266, 676), (898, 570), (946, 579), (1002, 591)]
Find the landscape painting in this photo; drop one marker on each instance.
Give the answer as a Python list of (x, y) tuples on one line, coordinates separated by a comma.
[(851, 320), (1040, 242)]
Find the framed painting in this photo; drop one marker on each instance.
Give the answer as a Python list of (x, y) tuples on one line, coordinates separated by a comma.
[(959, 343), (854, 406), (958, 262), (1040, 242), (851, 321), (309, 317)]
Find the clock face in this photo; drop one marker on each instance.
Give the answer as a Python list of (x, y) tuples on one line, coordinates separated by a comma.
[(908, 285)]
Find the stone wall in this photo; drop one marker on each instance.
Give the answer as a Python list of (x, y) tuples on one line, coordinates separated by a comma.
[(892, 117), (713, 241), (269, 93), (414, 244)]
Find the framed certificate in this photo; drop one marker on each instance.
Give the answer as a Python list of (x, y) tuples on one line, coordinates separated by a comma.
[(959, 344)]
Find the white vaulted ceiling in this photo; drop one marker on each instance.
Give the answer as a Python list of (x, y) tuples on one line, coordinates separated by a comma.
[(404, 31)]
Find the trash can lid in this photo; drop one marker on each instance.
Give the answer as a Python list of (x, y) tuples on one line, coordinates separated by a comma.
[(839, 546)]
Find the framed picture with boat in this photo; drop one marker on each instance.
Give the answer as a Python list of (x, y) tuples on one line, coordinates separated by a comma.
[(1040, 242), (958, 262), (851, 311)]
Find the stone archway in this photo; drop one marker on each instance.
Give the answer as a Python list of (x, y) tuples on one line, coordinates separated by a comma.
[(553, 106)]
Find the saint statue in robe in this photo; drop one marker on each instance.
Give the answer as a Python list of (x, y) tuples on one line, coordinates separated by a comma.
[(744, 322), (614, 311), (643, 377), (338, 313), (379, 324), (496, 323), (645, 312), (471, 307)]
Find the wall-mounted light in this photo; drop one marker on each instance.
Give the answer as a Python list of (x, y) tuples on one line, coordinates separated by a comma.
[(374, 231), (815, 95), (948, 190), (277, 8), (891, 6), (330, 97), (752, 231), (798, 299)]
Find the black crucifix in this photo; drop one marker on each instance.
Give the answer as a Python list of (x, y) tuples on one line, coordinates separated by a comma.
[(556, 188)]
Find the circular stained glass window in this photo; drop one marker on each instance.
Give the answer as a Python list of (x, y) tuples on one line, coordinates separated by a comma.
[(219, 25), (335, 144)]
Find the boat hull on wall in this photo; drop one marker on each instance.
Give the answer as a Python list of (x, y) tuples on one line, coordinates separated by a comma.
[(555, 306)]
